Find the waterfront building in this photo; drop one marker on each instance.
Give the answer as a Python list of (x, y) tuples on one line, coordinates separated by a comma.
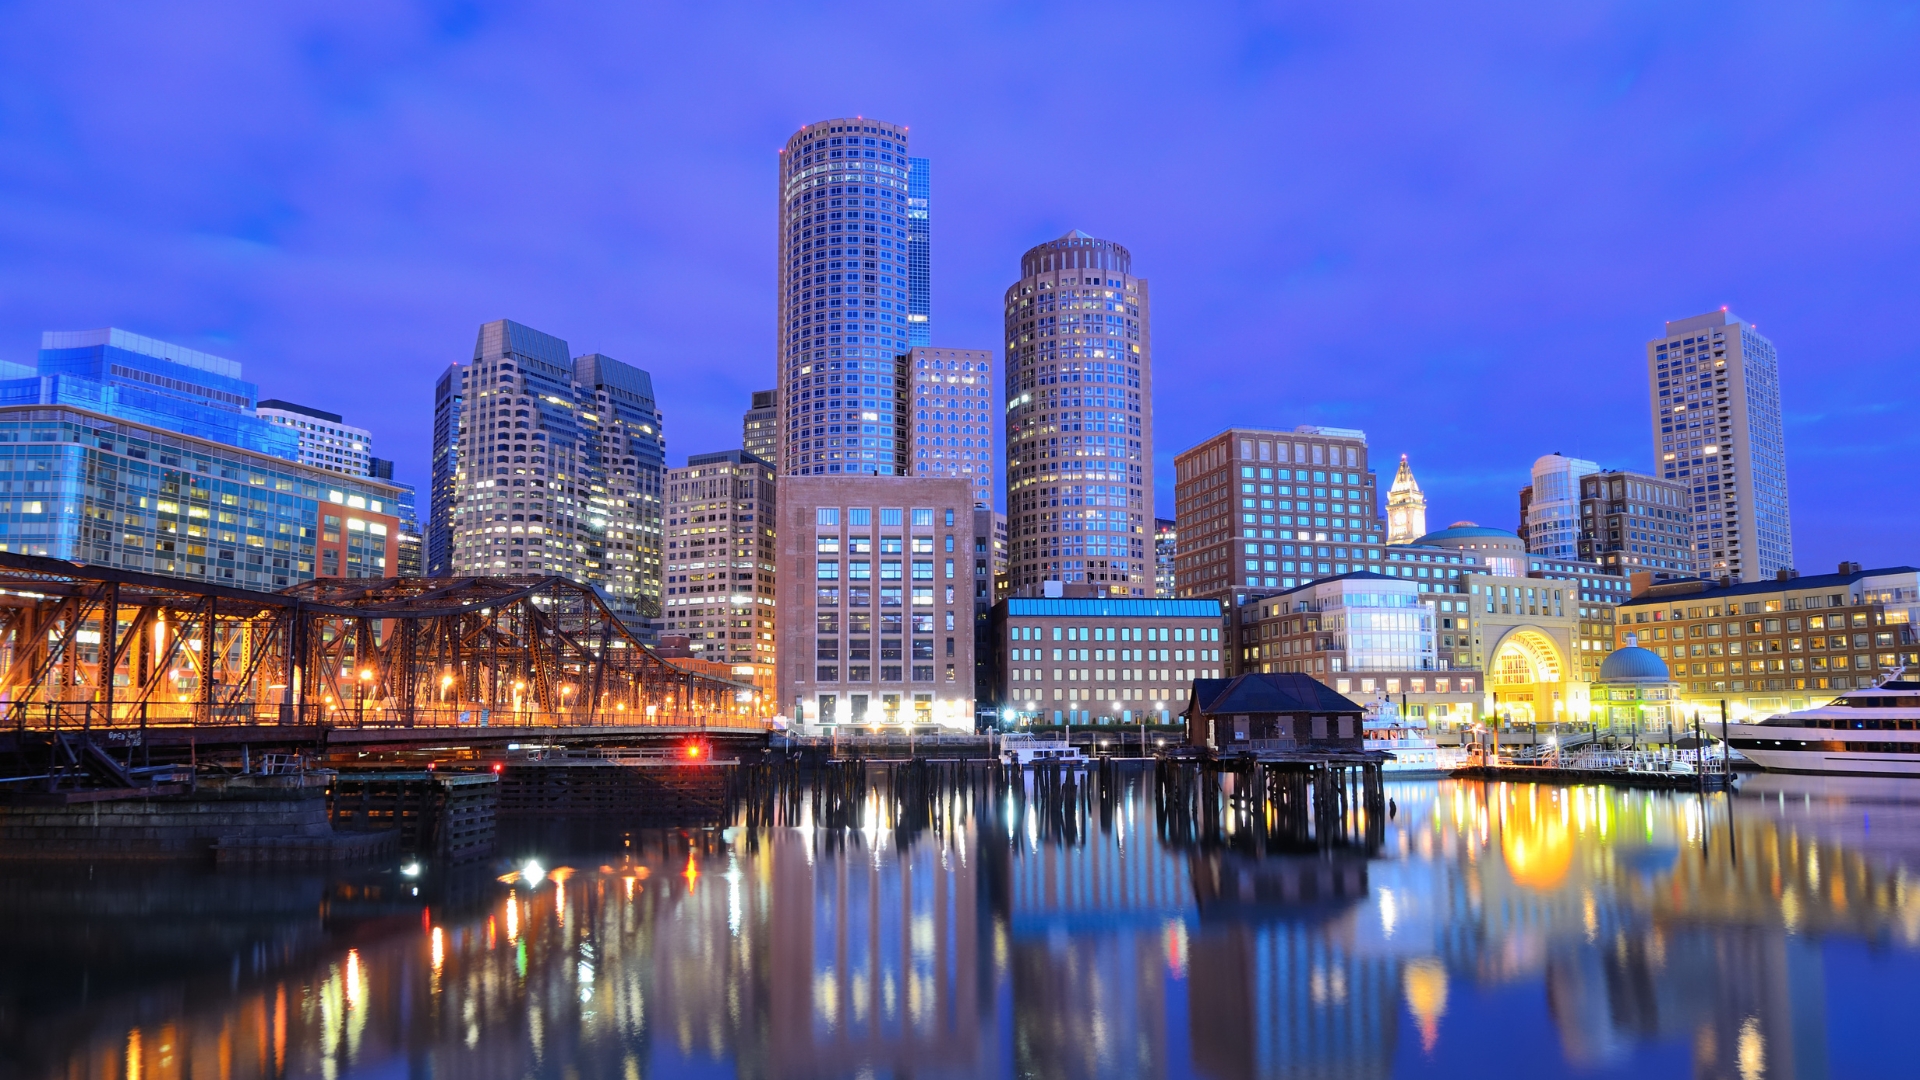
[(1631, 523), (449, 398), (1713, 390), (1166, 544), (1290, 709), (1365, 635), (121, 450), (1782, 644), (760, 426), (559, 469), (843, 298), (1079, 411), (720, 568), (1274, 509), (989, 570), (326, 440), (1406, 507), (875, 612), (952, 395), (919, 251), (1550, 506), (1091, 658), (1635, 691)]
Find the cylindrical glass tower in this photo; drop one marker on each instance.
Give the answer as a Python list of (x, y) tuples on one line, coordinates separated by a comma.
[(1079, 420), (843, 319)]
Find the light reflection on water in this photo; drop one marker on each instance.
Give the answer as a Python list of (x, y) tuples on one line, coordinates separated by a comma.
[(1514, 930)]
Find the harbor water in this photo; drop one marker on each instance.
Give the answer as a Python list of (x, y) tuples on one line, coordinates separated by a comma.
[(960, 929)]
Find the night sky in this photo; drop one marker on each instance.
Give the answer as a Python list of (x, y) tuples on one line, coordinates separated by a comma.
[(1454, 226)]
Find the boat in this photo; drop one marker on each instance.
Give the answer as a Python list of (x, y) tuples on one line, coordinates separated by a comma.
[(1413, 751), (1871, 731), (1028, 749)]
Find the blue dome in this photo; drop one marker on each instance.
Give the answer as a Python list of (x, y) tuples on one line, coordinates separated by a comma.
[(1634, 664), (1469, 532)]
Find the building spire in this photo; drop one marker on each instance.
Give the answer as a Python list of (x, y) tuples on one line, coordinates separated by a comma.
[(1406, 507)]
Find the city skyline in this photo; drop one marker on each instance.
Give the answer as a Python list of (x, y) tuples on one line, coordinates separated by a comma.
[(284, 276)]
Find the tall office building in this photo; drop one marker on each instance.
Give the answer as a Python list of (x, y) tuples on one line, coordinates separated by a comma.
[(760, 426), (1166, 548), (952, 394), (919, 251), (1079, 443), (560, 463), (1713, 389), (843, 299), (326, 440), (720, 564), (449, 397), (1262, 509), (1631, 523), (1406, 507), (1550, 506)]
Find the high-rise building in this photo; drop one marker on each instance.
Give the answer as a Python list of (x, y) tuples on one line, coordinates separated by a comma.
[(1166, 548), (161, 443), (1274, 509), (876, 605), (952, 394), (326, 440), (760, 427), (1713, 389), (1631, 523), (1406, 507), (1550, 506), (720, 562), (449, 396), (919, 251), (1079, 443), (559, 469), (843, 299), (410, 544)]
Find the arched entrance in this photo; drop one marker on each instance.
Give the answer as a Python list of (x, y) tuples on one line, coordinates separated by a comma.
[(1525, 674)]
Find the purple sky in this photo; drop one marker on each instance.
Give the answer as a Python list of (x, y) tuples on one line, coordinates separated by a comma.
[(1453, 226)]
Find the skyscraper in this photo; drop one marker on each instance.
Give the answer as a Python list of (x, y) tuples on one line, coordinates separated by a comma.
[(843, 298), (560, 464), (326, 440), (449, 396), (1713, 389), (1406, 507), (760, 426), (1079, 443), (952, 393), (1631, 523), (919, 251), (1551, 506), (720, 565)]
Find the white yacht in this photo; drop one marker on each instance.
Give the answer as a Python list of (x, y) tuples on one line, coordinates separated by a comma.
[(1028, 749), (1871, 731), (1415, 752)]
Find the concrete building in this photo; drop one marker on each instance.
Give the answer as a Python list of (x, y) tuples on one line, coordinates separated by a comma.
[(1166, 545), (1781, 644), (1274, 509), (875, 620), (326, 441), (1365, 635), (952, 395), (720, 567), (449, 399), (1550, 506), (1713, 390), (560, 465), (919, 251), (760, 426), (1079, 412), (1406, 507), (844, 298), (1093, 659), (144, 455), (1632, 523)]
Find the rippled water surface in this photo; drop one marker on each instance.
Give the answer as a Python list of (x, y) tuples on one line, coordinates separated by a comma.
[(1487, 931)]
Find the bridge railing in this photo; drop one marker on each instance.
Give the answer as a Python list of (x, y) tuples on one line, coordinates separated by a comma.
[(81, 715)]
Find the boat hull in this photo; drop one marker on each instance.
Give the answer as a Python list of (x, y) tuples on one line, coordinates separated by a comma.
[(1824, 762)]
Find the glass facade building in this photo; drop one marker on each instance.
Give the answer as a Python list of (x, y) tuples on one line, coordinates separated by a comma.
[(449, 396), (1079, 418), (952, 416), (919, 251), (129, 452), (844, 299)]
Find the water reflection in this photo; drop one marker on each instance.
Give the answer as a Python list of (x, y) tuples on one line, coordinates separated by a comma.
[(950, 927)]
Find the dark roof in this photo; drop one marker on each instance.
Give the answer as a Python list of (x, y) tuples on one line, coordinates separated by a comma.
[(1280, 692), (1766, 585), (303, 410)]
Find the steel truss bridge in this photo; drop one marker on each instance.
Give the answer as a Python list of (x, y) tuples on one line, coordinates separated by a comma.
[(92, 647)]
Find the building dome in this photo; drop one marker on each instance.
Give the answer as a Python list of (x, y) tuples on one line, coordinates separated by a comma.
[(1467, 530), (1634, 664)]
